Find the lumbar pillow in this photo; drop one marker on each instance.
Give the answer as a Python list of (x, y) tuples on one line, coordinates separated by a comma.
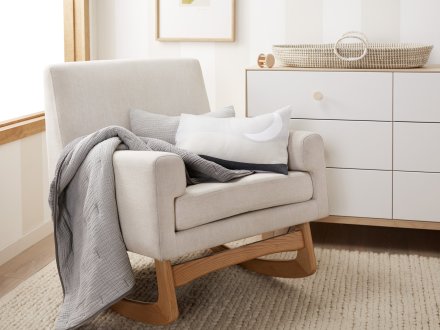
[(258, 143), (163, 127)]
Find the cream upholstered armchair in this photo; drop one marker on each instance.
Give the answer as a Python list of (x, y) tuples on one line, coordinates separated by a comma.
[(161, 217)]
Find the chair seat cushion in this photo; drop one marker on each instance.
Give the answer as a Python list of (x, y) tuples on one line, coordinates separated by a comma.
[(208, 202)]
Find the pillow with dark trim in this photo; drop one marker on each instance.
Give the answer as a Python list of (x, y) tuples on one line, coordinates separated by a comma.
[(163, 127), (258, 143)]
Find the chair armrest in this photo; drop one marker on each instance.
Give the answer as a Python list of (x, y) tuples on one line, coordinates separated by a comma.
[(147, 182), (306, 153)]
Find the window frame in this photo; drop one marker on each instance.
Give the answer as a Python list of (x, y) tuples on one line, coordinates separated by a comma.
[(76, 48)]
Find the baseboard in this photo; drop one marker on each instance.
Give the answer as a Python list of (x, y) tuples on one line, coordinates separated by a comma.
[(395, 223), (25, 242)]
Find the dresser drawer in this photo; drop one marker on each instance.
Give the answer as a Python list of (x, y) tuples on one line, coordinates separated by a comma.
[(361, 193), (417, 97), (417, 147), (416, 196), (352, 144), (345, 95)]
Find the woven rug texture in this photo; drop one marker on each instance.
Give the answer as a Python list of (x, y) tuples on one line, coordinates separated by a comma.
[(351, 290)]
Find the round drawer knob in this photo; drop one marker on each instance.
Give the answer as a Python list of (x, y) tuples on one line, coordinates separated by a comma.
[(318, 96)]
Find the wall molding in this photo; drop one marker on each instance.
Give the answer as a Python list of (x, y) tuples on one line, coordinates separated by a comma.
[(26, 242), (19, 128)]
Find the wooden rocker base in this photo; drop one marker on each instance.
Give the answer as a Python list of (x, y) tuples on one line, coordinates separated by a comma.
[(165, 310), (303, 265)]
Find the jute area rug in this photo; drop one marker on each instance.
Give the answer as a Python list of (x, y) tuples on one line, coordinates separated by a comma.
[(351, 290)]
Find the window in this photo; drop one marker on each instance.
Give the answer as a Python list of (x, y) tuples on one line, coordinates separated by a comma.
[(31, 37)]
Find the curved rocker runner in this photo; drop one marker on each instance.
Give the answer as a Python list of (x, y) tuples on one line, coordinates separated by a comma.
[(165, 310)]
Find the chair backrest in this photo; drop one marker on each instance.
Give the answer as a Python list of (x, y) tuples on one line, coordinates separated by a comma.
[(82, 97)]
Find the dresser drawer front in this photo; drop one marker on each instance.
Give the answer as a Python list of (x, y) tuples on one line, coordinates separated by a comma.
[(417, 97), (345, 95), (352, 144), (416, 196), (417, 147), (361, 193)]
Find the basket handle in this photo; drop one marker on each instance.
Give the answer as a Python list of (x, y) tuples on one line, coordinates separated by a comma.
[(352, 35), (356, 33)]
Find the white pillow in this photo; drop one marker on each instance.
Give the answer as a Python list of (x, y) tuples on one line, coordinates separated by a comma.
[(258, 143), (163, 127)]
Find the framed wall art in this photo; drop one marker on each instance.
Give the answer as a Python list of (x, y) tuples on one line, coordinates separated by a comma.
[(195, 20)]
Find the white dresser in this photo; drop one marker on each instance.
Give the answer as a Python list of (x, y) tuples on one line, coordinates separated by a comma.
[(381, 130)]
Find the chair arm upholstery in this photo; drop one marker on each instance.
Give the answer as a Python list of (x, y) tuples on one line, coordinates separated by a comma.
[(147, 183), (306, 153)]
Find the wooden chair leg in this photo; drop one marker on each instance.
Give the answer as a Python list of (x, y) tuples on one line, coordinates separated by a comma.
[(164, 311), (303, 265), (306, 257)]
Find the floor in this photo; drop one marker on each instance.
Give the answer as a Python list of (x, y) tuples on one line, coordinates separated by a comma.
[(26, 264), (378, 239)]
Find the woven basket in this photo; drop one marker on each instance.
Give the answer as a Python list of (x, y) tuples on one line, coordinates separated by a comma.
[(359, 55)]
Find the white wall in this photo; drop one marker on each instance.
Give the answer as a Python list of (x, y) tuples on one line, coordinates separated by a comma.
[(24, 212), (126, 28)]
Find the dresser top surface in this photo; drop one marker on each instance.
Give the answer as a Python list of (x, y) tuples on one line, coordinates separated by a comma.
[(427, 68)]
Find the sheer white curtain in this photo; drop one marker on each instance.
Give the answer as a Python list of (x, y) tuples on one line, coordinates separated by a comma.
[(31, 37)]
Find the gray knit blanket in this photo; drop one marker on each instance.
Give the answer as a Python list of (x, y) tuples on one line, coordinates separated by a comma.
[(92, 260)]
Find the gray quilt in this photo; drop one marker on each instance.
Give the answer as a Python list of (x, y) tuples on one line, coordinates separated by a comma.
[(92, 261)]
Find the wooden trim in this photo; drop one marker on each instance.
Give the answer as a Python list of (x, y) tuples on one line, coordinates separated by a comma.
[(82, 30), (231, 39), (20, 119), (396, 223), (191, 270), (22, 127), (433, 68), (69, 31), (76, 30)]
